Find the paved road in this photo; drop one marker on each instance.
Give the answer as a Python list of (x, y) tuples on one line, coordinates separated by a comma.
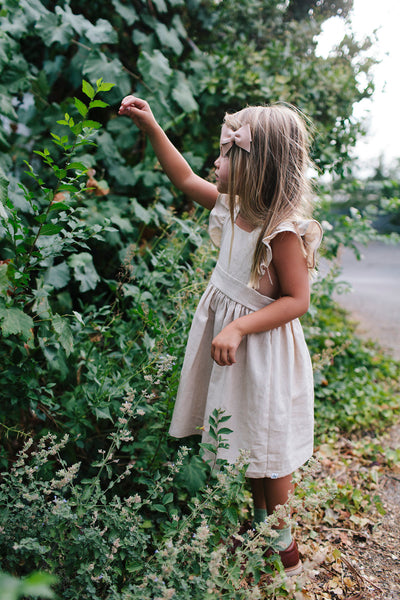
[(375, 297)]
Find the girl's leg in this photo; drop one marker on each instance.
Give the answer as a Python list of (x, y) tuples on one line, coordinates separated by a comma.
[(267, 495), (276, 491), (257, 491), (260, 505)]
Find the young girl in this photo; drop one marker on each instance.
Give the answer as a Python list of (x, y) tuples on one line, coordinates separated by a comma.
[(246, 352)]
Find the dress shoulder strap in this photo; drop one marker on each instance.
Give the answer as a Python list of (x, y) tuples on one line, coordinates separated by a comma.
[(217, 219), (309, 232)]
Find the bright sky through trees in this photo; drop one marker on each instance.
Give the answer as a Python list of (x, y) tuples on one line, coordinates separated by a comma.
[(382, 111)]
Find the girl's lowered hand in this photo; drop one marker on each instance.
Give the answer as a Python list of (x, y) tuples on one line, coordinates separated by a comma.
[(139, 111), (225, 344)]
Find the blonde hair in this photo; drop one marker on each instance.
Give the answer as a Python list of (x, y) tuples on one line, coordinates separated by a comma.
[(269, 184)]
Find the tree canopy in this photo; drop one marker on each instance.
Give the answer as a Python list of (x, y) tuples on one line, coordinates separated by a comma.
[(192, 60)]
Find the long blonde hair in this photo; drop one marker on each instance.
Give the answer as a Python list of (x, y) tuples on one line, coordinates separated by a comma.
[(269, 184)]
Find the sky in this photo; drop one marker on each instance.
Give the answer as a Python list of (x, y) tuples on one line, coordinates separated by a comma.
[(382, 112)]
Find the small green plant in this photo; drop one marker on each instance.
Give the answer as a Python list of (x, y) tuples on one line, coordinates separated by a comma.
[(55, 229), (216, 433)]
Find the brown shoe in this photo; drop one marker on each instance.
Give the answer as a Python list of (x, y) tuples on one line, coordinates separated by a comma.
[(290, 559)]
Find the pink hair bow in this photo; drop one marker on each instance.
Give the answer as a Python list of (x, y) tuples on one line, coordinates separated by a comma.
[(241, 137)]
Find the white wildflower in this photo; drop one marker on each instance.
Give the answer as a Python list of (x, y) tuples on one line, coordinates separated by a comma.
[(326, 226)]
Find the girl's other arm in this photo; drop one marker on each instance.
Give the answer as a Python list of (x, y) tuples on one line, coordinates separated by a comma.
[(292, 272), (171, 160)]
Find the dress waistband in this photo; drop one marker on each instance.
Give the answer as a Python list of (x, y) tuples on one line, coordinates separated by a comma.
[(237, 290)]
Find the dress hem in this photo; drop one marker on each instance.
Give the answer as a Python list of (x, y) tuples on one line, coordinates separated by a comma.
[(183, 435), (251, 474)]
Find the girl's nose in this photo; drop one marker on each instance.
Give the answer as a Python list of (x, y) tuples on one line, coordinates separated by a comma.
[(216, 162)]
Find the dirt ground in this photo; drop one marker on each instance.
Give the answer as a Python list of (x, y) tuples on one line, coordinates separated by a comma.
[(367, 566)]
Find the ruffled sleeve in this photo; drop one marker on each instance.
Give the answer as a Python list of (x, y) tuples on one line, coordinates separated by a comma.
[(218, 216), (310, 233)]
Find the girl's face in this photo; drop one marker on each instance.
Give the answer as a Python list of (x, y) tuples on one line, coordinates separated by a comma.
[(222, 173)]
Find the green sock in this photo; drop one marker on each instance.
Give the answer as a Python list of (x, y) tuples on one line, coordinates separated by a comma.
[(260, 514), (283, 539)]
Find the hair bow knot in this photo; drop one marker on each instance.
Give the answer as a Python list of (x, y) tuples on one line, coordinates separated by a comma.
[(241, 138)]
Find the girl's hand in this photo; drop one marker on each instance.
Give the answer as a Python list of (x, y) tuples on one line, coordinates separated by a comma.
[(139, 111), (225, 344), (175, 166)]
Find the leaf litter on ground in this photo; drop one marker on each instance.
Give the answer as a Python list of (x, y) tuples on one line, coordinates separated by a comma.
[(351, 547)]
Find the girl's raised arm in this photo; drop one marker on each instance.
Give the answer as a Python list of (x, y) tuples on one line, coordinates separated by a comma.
[(175, 166)]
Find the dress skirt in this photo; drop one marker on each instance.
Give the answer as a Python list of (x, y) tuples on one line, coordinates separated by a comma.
[(268, 392)]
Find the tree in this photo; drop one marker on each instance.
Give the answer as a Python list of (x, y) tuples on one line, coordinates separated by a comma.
[(265, 52), (193, 60)]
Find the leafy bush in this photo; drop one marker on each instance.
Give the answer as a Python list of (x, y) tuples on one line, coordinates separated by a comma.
[(98, 541), (376, 197), (191, 60), (99, 279)]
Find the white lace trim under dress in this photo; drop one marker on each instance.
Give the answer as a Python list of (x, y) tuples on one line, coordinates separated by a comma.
[(268, 392)]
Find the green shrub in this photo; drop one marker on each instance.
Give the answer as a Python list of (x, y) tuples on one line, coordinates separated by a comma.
[(104, 544), (91, 359)]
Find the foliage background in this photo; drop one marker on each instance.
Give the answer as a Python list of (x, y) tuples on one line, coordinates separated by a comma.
[(103, 262)]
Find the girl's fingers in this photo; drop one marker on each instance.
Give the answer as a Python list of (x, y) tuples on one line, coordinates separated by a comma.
[(232, 356), (129, 99), (138, 110), (133, 101), (127, 103), (215, 355), (223, 356)]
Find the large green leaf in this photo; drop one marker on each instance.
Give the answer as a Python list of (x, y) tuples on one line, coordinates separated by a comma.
[(155, 66), (51, 29), (84, 271), (33, 9), (100, 33), (103, 412), (36, 585), (58, 276), (14, 76), (141, 213), (6, 108), (193, 475), (5, 42), (182, 94), (169, 37), (46, 24), (15, 321), (4, 281), (127, 12), (64, 332), (3, 192), (160, 5), (51, 228)]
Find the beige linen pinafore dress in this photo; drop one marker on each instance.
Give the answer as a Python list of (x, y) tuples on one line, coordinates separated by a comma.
[(268, 392)]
